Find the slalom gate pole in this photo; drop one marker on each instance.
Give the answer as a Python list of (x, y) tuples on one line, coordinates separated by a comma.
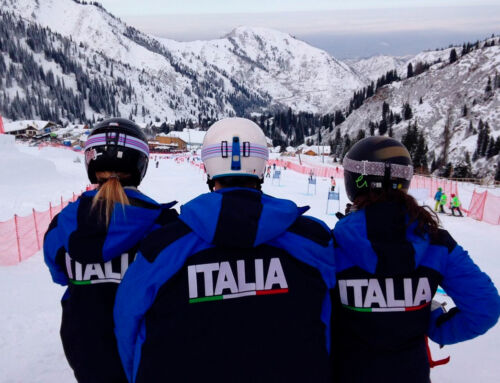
[(36, 229), (17, 238)]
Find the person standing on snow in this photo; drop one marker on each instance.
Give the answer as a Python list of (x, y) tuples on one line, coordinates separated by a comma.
[(390, 256), (333, 183), (240, 281), (442, 202), (437, 198), (455, 204), (90, 244)]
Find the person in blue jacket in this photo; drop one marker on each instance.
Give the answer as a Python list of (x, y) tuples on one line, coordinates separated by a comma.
[(237, 289), (92, 242), (437, 198), (390, 257)]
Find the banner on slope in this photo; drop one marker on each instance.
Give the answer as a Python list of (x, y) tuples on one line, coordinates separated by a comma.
[(2, 131)]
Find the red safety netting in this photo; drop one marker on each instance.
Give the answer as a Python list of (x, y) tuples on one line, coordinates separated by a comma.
[(485, 207), (22, 237), (318, 171), (432, 184)]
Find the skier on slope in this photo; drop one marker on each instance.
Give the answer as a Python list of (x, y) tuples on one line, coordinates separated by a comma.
[(332, 183), (240, 281), (455, 204), (442, 202), (390, 256), (90, 244), (437, 198)]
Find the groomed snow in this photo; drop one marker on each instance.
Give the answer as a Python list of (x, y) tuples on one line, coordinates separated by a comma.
[(29, 301)]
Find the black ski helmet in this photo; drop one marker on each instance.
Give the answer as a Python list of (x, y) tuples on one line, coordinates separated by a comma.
[(377, 163), (118, 145)]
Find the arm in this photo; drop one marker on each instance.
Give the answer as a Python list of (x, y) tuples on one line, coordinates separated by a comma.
[(162, 255), (52, 246), (475, 296)]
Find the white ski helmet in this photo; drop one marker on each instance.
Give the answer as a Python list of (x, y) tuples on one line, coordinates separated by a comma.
[(235, 147)]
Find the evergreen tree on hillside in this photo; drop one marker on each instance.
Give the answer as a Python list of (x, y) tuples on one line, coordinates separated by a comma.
[(409, 71), (453, 56), (407, 112)]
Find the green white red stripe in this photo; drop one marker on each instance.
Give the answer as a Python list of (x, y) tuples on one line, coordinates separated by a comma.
[(238, 295), (385, 309)]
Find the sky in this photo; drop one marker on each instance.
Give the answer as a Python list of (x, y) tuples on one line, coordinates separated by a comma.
[(346, 29)]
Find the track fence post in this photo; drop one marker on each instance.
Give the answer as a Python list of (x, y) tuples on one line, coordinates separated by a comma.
[(17, 238), (36, 229)]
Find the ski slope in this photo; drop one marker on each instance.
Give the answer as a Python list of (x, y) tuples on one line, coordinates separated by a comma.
[(29, 302)]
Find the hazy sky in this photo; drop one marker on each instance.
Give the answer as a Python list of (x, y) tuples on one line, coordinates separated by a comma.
[(354, 28)]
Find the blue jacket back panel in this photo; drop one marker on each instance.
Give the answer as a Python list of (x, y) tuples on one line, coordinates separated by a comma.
[(387, 276), (91, 259), (237, 290)]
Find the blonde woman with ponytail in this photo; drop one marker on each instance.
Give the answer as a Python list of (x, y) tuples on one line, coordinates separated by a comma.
[(92, 242)]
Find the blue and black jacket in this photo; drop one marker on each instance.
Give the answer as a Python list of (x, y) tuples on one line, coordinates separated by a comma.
[(91, 259), (236, 290), (387, 276)]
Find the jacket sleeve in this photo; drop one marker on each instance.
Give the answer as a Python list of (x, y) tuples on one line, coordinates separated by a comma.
[(52, 246), (475, 296), (154, 265), (134, 297)]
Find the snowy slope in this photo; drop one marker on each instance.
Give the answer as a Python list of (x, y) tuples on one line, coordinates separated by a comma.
[(272, 67), (444, 89), (372, 68), (289, 70), (30, 311)]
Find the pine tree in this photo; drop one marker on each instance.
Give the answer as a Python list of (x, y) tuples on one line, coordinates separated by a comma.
[(453, 56), (465, 111), (407, 112), (409, 71)]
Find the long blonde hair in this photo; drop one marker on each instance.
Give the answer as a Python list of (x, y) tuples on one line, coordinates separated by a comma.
[(110, 192)]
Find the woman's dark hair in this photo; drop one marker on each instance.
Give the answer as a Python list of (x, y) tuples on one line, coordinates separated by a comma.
[(426, 219), (236, 181)]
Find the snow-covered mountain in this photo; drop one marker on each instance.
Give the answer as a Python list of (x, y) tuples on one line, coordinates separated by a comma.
[(250, 68), (452, 94), (289, 70)]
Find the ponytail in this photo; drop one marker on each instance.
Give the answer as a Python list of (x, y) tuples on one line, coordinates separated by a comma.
[(426, 219), (110, 192)]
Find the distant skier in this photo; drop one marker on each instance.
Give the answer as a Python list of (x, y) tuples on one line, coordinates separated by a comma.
[(90, 244), (274, 166), (390, 257), (237, 289), (455, 205), (311, 175), (157, 164), (332, 183), (442, 202), (268, 173), (437, 198)]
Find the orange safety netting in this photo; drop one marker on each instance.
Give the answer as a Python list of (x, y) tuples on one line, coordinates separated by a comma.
[(22, 237)]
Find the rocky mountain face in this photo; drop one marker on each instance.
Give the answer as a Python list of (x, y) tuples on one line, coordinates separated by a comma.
[(455, 97)]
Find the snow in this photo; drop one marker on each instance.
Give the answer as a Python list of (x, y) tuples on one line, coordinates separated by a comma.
[(23, 124), (189, 136), (29, 302)]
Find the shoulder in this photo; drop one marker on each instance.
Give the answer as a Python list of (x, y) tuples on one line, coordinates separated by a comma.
[(158, 240), (312, 229), (444, 239)]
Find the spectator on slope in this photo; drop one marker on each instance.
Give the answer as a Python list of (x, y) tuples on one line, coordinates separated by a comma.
[(437, 198), (91, 243), (237, 289), (455, 204), (332, 183), (390, 256)]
